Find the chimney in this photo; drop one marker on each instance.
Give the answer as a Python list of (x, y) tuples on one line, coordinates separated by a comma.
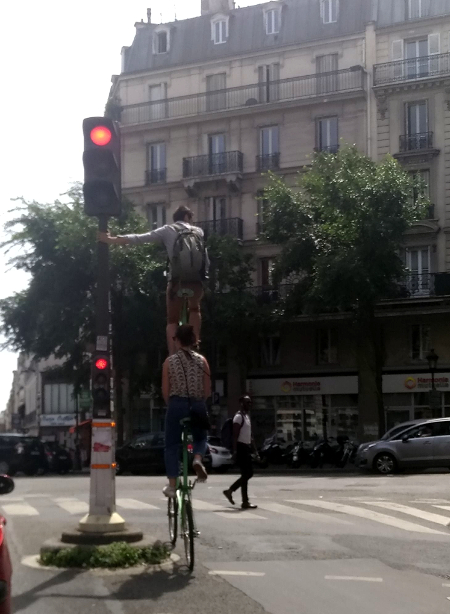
[(149, 15), (211, 7)]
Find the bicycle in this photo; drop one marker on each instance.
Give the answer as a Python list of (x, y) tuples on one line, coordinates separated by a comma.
[(180, 507)]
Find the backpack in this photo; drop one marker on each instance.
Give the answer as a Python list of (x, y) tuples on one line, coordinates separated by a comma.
[(188, 260), (226, 432)]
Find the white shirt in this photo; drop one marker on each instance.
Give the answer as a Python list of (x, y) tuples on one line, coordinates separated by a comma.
[(245, 435)]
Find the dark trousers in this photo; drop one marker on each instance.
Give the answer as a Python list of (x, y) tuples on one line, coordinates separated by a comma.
[(244, 462)]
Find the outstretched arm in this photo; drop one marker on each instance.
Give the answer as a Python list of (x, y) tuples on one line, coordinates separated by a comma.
[(105, 237)]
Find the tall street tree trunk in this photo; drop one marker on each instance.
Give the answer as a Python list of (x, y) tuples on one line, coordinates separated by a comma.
[(370, 380)]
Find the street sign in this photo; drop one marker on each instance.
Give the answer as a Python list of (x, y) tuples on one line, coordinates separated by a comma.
[(85, 399)]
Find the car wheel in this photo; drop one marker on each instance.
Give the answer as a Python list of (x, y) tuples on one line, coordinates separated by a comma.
[(385, 464)]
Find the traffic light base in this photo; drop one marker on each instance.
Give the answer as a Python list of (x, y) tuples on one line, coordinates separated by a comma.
[(91, 523)]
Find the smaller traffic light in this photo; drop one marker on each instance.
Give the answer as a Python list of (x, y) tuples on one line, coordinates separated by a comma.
[(101, 160), (101, 382)]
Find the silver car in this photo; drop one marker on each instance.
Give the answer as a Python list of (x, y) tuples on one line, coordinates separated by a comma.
[(415, 444)]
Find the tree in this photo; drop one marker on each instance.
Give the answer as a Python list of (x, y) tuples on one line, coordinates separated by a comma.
[(55, 314), (340, 234)]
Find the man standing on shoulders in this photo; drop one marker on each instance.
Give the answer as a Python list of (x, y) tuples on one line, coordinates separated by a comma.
[(242, 452)]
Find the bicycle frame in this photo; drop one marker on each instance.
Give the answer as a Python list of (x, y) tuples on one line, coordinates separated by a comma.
[(183, 486)]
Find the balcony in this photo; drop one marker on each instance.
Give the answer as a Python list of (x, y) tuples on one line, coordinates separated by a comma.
[(213, 164), (270, 294), (330, 149), (230, 227), (339, 82), (155, 176), (417, 285), (268, 162), (415, 148), (412, 69)]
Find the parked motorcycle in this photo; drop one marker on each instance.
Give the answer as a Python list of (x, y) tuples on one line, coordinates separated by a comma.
[(272, 452), (348, 454), (298, 455), (336, 452)]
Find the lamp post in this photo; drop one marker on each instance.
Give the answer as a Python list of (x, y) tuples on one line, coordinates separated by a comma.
[(432, 364)]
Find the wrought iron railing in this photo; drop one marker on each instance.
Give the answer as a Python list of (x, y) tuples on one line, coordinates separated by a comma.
[(416, 142), (213, 164), (268, 162), (309, 86), (412, 69), (271, 294), (415, 285), (333, 149), (155, 176), (232, 227)]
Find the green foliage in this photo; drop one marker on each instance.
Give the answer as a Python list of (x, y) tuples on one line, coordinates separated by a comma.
[(342, 229), (112, 556)]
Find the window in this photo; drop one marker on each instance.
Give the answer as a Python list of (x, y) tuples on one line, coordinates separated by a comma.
[(217, 159), (266, 266), (327, 342), (157, 95), (270, 351), (162, 40), (219, 31), (269, 147), (416, 8), (418, 263), (156, 215), (59, 399), (423, 176), (156, 163), (268, 80), (216, 215), (326, 69), (216, 83), (329, 10), (420, 341), (263, 204), (421, 56), (327, 134), (272, 18), (417, 136)]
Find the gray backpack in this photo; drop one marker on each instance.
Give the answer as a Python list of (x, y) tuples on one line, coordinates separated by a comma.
[(188, 261)]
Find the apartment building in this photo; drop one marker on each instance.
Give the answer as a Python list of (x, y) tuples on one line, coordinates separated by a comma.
[(208, 104)]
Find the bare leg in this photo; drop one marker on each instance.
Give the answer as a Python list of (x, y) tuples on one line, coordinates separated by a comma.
[(173, 482), (171, 329)]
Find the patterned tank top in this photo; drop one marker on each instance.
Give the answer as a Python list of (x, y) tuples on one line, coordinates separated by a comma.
[(186, 370)]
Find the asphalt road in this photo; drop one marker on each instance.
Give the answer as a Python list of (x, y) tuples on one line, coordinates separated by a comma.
[(314, 545)]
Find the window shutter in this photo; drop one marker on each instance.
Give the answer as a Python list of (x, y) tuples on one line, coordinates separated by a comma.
[(433, 44), (397, 50)]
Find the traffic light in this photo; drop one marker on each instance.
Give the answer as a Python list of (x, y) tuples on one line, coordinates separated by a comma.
[(101, 381), (101, 159)]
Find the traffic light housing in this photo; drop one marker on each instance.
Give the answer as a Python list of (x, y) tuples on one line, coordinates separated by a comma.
[(101, 160), (101, 382)]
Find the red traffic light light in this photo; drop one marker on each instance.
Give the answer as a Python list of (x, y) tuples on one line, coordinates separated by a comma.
[(101, 363), (101, 135)]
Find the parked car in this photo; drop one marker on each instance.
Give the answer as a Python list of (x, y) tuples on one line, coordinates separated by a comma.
[(145, 454), (22, 453), (417, 444), (59, 459), (6, 486), (221, 458)]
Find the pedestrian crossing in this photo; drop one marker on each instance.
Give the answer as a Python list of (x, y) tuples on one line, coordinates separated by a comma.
[(423, 517)]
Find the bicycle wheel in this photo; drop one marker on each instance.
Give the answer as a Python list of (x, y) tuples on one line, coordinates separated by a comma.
[(188, 534), (172, 513)]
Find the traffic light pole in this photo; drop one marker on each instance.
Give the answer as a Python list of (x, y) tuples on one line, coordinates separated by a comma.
[(102, 516)]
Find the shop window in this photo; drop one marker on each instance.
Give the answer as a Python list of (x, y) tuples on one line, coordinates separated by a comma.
[(327, 343), (420, 341), (270, 351)]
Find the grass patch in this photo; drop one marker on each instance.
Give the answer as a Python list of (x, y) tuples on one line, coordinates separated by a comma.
[(112, 556)]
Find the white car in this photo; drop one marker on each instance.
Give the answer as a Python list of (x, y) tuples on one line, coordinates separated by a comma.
[(221, 457)]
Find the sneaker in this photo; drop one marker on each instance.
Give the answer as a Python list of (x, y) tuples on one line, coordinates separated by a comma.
[(249, 506), (229, 496), (169, 491), (199, 469)]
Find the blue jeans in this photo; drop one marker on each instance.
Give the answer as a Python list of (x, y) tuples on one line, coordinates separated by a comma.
[(178, 410)]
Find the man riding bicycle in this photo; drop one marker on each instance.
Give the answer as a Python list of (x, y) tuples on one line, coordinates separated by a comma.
[(189, 265)]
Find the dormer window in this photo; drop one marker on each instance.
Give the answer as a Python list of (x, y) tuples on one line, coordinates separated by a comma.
[(416, 9), (329, 10), (161, 42), (219, 30), (272, 19)]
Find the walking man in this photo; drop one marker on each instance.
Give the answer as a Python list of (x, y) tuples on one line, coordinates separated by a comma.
[(242, 452)]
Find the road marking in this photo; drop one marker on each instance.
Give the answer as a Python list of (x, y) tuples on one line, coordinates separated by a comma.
[(443, 507), (134, 504), (430, 501), (204, 506), (370, 515), (238, 515), (302, 514), (446, 584), (411, 511), (354, 578), (73, 506), (251, 574), (19, 509)]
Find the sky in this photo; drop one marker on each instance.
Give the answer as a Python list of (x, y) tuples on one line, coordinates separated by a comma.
[(58, 59)]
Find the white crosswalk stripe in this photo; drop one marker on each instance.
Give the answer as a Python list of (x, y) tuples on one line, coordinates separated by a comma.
[(19, 509), (72, 505), (411, 511), (369, 515), (134, 504), (287, 510)]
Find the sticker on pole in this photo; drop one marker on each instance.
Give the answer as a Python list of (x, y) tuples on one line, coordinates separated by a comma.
[(102, 344)]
